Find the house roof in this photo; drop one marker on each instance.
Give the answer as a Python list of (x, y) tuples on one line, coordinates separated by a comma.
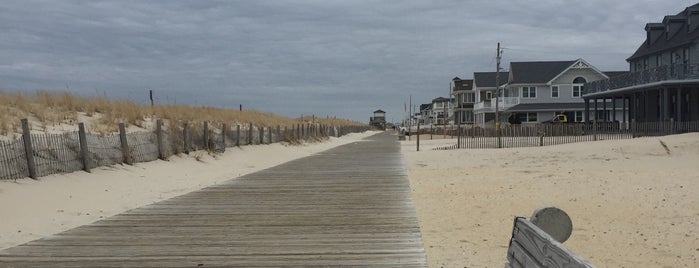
[(379, 111), (559, 106), (425, 106), (537, 72), (466, 84), (487, 79), (680, 38), (442, 99), (611, 74)]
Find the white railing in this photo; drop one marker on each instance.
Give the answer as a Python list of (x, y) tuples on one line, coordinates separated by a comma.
[(504, 103)]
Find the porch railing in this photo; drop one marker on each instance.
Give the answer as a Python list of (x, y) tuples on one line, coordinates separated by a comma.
[(657, 74)]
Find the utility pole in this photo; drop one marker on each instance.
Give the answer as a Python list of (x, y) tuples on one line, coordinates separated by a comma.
[(497, 97), (446, 115)]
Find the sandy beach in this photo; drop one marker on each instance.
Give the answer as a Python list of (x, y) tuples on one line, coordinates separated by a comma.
[(33, 209), (632, 202)]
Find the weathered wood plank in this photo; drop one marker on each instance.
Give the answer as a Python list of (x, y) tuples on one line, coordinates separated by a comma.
[(532, 247), (347, 206)]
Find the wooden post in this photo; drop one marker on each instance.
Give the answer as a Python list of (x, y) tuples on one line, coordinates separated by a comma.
[(223, 136), (279, 133), (185, 137), (250, 135), (28, 151), (159, 136), (269, 131), (237, 135), (126, 154), (206, 135), (84, 153), (418, 136), (262, 135)]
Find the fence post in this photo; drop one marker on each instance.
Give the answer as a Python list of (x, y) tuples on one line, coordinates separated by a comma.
[(185, 137), (159, 136), (28, 151), (250, 135), (262, 135), (279, 133), (84, 153), (594, 129), (672, 125), (269, 131), (418, 137), (223, 136), (237, 135), (206, 135), (126, 154)]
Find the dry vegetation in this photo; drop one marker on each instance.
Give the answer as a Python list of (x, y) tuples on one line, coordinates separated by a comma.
[(45, 109)]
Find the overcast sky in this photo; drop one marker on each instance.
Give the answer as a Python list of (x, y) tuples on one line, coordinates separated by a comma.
[(322, 57)]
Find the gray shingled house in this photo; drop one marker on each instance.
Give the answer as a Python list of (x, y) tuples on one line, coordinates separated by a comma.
[(663, 83), (535, 91)]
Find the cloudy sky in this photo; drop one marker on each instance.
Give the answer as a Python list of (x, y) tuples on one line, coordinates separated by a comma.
[(294, 57)]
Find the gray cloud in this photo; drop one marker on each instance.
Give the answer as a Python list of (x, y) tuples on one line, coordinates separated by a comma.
[(336, 58)]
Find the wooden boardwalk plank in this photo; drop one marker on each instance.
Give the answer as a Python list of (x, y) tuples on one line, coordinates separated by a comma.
[(348, 206)]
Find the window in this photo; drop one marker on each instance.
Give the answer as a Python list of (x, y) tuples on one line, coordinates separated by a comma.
[(578, 116), (488, 95), (529, 92), (469, 97), (659, 60), (554, 91), (578, 87), (645, 64), (466, 116), (526, 117)]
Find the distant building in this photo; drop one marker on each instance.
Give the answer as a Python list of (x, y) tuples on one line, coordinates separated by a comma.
[(464, 99), (378, 120), (442, 108), (663, 83)]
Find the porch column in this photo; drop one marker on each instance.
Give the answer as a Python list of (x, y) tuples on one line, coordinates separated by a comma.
[(664, 114), (587, 110), (623, 109), (596, 116), (614, 109), (604, 109), (647, 106), (679, 99)]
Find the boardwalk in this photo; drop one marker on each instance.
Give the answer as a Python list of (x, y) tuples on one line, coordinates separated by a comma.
[(346, 206)]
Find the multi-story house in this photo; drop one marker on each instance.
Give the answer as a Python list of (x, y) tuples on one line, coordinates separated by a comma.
[(378, 120), (484, 91), (536, 91), (425, 114), (663, 83), (442, 109), (464, 99)]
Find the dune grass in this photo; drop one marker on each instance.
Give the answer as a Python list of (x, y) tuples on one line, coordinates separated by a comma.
[(54, 108)]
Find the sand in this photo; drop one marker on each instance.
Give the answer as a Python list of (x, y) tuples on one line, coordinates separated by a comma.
[(632, 203), (33, 209)]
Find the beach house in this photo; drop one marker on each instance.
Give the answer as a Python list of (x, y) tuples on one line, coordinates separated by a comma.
[(663, 83), (484, 91), (464, 99), (536, 91)]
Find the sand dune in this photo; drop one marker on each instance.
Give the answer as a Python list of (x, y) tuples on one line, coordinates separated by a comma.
[(32, 209), (633, 203)]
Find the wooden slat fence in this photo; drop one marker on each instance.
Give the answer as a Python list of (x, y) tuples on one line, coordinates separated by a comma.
[(62, 153), (13, 162), (543, 135), (56, 153)]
